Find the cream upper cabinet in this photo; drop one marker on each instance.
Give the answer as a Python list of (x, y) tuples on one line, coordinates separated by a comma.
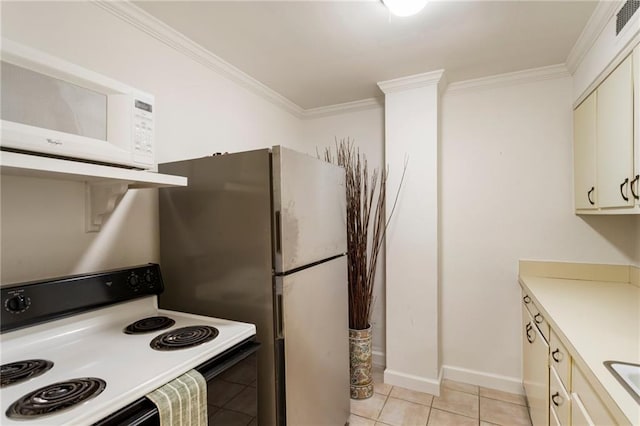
[(606, 150), (584, 152), (614, 129)]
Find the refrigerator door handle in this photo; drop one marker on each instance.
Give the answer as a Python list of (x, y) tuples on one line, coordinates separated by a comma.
[(278, 232), (279, 332)]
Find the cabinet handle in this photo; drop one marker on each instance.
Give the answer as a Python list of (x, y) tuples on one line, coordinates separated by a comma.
[(624, 197), (526, 299), (538, 318), (557, 399), (528, 330), (589, 196), (557, 355), (635, 194)]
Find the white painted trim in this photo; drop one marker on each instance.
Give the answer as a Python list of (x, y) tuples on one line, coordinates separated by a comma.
[(379, 358), (354, 106), (595, 25), (157, 29), (617, 60), (508, 79), (411, 82), (410, 381), (479, 378)]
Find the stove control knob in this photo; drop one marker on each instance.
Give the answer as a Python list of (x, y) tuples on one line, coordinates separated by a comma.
[(149, 278), (134, 281), (17, 303)]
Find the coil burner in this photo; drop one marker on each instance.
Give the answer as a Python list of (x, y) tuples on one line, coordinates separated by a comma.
[(184, 337), (21, 371), (56, 397), (147, 325)]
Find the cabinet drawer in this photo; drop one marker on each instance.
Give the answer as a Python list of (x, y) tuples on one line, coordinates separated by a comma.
[(537, 316), (559, 398), (560, 359), (590, 410)]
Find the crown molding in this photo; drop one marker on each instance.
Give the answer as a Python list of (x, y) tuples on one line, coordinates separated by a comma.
[(518, 77), (592, 30), (157, 29), (353, 106), (411, 82)]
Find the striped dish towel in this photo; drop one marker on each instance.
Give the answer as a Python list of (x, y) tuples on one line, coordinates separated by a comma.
[(182, 401)]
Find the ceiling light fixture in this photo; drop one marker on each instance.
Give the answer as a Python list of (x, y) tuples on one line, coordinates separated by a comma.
[(404, 7)]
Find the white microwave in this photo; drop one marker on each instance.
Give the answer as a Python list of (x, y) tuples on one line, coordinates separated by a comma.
[(55, 108)]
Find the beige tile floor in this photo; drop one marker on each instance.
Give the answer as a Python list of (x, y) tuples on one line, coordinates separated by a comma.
[(458, 404)]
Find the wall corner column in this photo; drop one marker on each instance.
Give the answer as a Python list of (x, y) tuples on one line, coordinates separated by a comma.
[(412, 121)]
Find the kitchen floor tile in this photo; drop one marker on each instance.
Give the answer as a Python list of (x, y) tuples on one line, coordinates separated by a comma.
[(503, 413), (502, 396), (460, 387), (456, 402), (360, 421), (382, 388), (443, 418), (411, 395), (379, 386), (369, 408), (398, 412), (459, 404)]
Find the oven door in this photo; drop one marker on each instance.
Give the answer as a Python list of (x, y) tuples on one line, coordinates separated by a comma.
[(231, 391)]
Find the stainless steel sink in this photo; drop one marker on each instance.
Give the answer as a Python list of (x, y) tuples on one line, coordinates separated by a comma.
[(628, 374)]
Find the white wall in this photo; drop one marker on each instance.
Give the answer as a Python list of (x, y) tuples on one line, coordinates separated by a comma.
[(197, 113), (507, 195), (366, 129)]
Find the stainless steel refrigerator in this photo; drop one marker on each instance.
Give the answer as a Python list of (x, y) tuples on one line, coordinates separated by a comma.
[(260, 236)]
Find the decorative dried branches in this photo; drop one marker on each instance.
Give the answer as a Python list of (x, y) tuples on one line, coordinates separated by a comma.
[(365, 203)]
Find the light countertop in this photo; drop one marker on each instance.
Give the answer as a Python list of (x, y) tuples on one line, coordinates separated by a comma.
[(597, 321)]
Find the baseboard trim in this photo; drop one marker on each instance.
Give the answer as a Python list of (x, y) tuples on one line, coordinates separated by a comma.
[(479, 378), (410, 381)]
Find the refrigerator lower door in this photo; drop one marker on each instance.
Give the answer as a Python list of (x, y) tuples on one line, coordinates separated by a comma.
[(316, 344)]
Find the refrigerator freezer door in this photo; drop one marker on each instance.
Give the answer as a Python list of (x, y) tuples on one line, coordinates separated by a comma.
[(316, 342), (309, 209)]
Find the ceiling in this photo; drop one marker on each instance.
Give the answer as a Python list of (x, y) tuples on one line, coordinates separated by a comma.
[(320, 53)]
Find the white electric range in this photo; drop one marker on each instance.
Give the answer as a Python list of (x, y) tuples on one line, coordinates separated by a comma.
[(66, 360)]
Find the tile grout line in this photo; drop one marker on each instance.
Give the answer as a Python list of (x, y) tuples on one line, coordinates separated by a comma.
[(479, 414), (384, 405)]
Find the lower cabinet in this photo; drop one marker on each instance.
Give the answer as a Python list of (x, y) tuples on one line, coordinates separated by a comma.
[(587, 408), (557, 391), (535, 370), (560, 403)]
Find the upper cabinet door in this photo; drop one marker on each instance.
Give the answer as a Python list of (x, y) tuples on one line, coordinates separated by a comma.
[(584, 154), (615, 137)]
